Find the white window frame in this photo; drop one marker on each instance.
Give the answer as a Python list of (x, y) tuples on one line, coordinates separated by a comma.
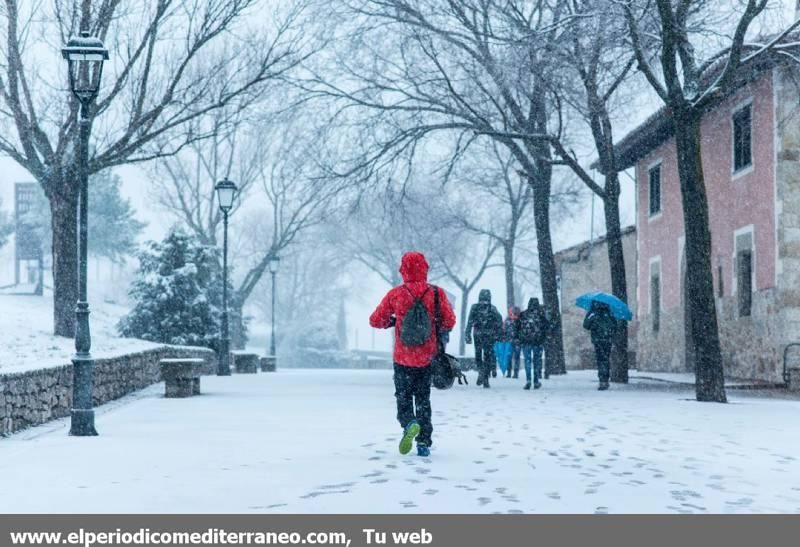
[(657, 163), (749, 169)]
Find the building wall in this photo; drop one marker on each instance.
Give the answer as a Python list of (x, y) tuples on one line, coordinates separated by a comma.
[(786, 84), (582, 269), (753, 201)]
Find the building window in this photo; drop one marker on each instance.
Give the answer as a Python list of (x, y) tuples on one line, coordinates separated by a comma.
[(744, 282), (654, 185), (742, 139), (655, 299)]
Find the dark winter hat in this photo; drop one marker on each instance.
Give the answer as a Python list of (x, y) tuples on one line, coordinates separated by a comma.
[(485, 296), (533, 303)]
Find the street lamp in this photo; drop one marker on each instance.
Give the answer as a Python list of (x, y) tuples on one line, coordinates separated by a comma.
[(85, 55), (226, 193), (274, 263)]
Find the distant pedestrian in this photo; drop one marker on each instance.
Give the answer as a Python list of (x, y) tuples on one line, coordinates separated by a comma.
[(510, 343), (533, 328), (486, 324), (602, 326), (409, 308)]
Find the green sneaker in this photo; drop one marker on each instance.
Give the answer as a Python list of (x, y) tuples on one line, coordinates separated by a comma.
[(410, 433)]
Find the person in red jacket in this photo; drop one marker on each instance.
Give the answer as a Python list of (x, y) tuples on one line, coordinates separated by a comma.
[(412, 372)]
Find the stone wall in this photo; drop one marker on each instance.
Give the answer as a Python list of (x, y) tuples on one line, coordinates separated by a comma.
[(585, 268), (34, 397), (750, 345), (663, 351)]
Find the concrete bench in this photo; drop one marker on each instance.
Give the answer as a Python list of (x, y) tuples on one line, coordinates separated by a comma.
[(181, 376), (269, 364), (244, 362)]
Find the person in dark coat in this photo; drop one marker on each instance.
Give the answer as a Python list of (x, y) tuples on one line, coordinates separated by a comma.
[(412, 371), (486, 324), (602, 326), (533, 328)]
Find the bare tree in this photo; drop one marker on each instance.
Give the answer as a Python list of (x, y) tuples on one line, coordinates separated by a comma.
[(183, 183), (464, 68), (455, 267), (173, 62), (497, 199), (687, 83), (311, 285), (383, 225), (594, 48), (276, 163)]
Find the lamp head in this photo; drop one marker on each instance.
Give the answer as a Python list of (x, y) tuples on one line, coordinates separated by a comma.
[(226, 194), (85, 55)]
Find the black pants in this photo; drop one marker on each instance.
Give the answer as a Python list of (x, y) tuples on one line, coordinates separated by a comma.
[(485, 360), (412, 388), (602, 355)]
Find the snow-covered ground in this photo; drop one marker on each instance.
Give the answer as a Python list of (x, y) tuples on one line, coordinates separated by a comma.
[(326, 441), (27, 340)]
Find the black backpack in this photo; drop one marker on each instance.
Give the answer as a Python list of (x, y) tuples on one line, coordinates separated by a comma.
[(531, 329), (416, 328), (487, 320)]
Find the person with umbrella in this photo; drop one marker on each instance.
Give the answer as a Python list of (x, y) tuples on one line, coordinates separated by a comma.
[(601, 321)]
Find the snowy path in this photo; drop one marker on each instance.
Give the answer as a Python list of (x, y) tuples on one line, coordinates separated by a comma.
[(325, 441)]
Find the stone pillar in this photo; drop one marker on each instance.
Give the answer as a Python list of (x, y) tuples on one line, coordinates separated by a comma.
[(181, 377), (269, 364), (245, 363)]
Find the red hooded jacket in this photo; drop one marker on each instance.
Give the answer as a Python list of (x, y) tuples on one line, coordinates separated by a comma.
[(397, 302)]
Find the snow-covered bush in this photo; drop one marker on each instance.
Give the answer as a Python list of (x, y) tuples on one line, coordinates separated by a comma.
[(177, 293)]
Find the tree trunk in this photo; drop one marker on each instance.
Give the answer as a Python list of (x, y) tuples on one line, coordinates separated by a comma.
[(236, 325), (508, 262), (462, 345), (710, 380), (619, 285), (64, 210), (554, 345)]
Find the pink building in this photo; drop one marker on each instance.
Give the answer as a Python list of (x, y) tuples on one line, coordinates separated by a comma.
[(751, 165)]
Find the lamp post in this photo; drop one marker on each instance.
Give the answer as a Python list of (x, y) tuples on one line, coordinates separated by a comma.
[(85, 55), (274, 263), (226, 193)]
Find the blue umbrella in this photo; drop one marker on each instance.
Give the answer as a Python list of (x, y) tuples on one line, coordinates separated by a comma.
[(619, 309)]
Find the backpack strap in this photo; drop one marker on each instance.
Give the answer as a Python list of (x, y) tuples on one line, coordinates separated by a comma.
[(437, 319)]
